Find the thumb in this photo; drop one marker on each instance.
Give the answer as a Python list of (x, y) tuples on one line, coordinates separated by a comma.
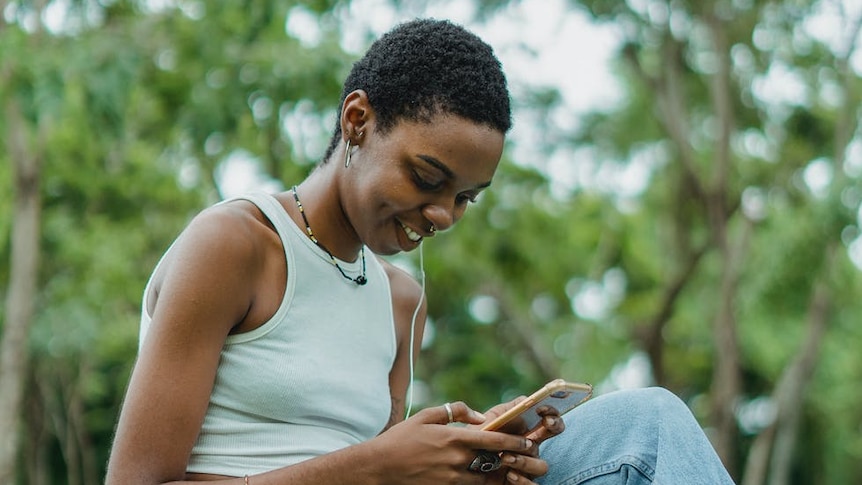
[(460, 413)]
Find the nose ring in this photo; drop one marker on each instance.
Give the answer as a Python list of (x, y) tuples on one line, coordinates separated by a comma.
[(433, 229)]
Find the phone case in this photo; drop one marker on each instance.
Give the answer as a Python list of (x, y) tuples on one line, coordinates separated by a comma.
[(558, 394)]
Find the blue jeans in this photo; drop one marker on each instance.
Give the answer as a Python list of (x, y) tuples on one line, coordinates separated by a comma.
[(632, 437)]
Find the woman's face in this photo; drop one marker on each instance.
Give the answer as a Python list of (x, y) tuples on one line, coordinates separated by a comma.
[(416, 175)]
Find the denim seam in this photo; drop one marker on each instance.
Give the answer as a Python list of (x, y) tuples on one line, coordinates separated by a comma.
[(612, 466)]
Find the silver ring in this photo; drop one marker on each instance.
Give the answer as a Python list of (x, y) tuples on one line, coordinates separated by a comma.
[(485, 462), (449, 412)]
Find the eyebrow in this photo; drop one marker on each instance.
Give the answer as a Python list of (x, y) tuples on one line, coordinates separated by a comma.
[(446, 170)]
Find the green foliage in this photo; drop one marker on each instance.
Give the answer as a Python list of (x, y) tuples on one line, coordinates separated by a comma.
[(134, 114)]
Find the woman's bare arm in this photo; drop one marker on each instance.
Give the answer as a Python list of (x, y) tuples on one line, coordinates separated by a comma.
[(406, 296), (206, 289)]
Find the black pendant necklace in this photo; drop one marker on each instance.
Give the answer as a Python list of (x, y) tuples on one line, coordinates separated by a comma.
[(359, 280)]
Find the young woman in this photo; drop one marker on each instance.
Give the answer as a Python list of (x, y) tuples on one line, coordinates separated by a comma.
[(275, 345)]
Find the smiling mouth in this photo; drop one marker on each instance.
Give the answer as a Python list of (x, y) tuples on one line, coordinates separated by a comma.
[(411, 234)]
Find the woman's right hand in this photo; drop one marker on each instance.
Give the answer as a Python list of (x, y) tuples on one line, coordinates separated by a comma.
[(423, 450)]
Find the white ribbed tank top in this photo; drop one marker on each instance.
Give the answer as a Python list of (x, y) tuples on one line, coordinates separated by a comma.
[(311, 380)]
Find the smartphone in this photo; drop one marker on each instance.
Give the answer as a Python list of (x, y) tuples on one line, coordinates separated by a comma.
[(559, 395)]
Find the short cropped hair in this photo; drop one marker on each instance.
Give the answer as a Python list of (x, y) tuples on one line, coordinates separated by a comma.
[(427, 67)]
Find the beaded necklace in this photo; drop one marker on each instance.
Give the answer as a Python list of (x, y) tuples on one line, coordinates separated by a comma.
[(359, 280)]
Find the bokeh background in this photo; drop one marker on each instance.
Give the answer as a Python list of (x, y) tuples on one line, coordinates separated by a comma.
[(679, 205)]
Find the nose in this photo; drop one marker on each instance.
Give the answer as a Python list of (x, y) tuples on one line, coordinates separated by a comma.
[(443, 215)]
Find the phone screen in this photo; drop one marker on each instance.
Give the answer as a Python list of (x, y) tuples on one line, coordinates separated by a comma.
[(556, 398)]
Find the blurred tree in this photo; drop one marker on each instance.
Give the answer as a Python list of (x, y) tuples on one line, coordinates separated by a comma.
[(136, 111), (126, 109), (735, 174), (26, 161)]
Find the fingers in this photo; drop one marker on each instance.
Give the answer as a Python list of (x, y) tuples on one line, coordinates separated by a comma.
[(503, 407), (521, 467), (554, 424), (551, 425), (514, 426), (455, 412), (497, 441), (515, 478), (461, 413)]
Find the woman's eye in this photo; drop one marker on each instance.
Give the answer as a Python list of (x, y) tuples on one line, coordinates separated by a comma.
[(424, 183), (465, 198)]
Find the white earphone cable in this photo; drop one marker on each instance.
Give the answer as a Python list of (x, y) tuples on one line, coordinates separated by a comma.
[(413, 330)]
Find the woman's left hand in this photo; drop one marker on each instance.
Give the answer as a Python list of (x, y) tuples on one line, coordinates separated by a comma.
[(520, 468)]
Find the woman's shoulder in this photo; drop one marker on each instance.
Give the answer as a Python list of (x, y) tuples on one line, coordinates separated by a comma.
[(228, 235), (237, 224), (220, 258)]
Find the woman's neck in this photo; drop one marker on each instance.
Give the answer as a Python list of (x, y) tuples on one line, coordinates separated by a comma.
[(322, 203)]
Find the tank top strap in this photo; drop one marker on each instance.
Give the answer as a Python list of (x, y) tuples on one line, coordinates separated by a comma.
[(272, 209)]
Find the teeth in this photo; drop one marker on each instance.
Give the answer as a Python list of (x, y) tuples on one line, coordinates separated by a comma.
[(410, 233)]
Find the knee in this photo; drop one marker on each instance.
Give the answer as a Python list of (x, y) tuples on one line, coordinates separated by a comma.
[(630, 411), (666, 409), (619, 424), (654, 402), (661, 398)]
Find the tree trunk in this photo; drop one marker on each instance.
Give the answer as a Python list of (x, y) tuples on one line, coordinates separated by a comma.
[(771, 455), (21, 294), (37, 444), (757, 466), (793, 384), (651, 334), (726, 376)]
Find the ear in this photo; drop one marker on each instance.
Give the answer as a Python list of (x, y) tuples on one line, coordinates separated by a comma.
[(357, 115)]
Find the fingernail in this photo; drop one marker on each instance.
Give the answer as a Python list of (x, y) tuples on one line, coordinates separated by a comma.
[(509, 459), (479, 415), (552, 421), (529, 444), (512, 477)]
